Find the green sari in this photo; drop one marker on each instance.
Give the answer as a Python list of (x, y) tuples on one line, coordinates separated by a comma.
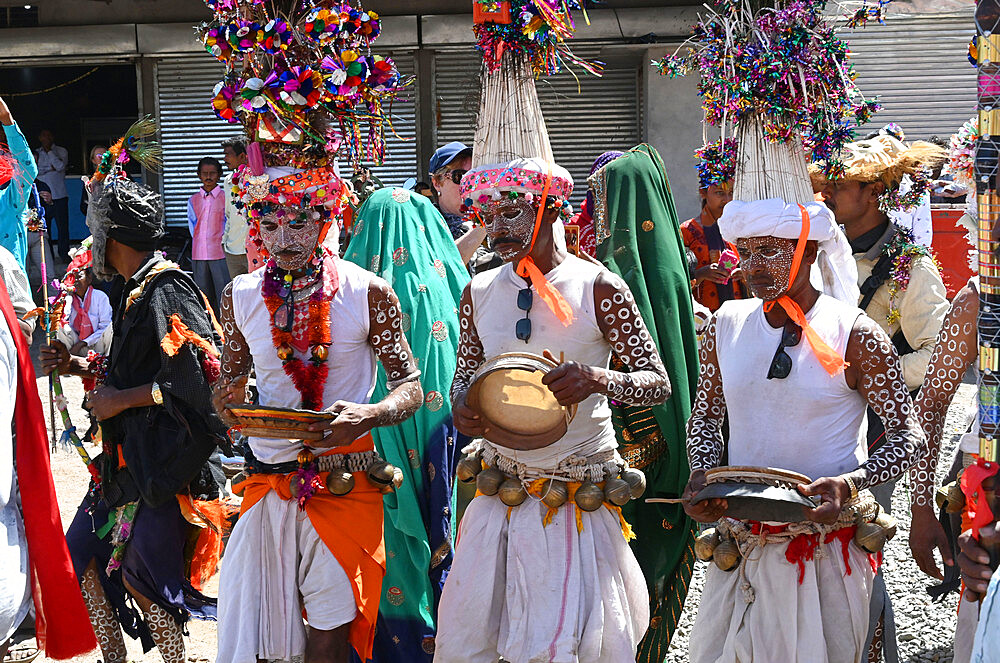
[(639, 239), (400, 236)]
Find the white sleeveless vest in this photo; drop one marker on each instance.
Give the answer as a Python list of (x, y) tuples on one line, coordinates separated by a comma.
[(810, 422), (351, 360), (495, 312)]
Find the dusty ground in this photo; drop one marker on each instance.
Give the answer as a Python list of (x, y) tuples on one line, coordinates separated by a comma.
[(925, 629)]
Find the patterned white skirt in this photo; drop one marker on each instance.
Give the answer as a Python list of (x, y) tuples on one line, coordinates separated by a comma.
[(541, 594)]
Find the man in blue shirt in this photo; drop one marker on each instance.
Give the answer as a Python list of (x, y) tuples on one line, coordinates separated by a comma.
[(16, 175)]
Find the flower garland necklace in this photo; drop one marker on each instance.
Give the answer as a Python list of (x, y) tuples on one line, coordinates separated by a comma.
[(905, 251), (309, 377)]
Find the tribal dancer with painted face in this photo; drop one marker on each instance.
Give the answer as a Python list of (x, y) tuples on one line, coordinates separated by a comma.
[(304, 567), (795, 369), (543, 570), (158, 482)]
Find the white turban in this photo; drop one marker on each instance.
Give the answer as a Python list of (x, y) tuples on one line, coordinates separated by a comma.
[(834, 273)]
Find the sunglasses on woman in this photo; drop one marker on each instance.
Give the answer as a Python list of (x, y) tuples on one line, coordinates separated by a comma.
[(457, 175)]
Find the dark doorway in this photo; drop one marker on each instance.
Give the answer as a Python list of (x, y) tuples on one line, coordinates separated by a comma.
[(84, 106)]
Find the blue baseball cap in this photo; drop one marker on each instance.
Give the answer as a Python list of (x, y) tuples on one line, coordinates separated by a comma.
[(445, 154)]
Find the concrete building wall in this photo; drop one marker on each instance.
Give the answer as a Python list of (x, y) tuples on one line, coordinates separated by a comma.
[(673, 126)]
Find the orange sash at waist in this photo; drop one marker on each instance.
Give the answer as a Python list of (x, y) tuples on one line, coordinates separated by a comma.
[(351, 527)]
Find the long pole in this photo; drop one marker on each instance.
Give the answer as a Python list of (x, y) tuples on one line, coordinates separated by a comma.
[(49, 326), (988, 208)]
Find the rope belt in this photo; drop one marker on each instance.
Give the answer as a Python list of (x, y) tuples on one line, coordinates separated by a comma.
[(352, 462), (573, 468), (803, 539)]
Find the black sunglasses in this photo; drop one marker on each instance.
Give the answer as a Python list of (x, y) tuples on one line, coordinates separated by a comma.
[(523, 327), (781, 364), (457, 175), (284, 315)]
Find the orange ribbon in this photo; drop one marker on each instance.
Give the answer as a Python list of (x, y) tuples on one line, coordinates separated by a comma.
[(526, 267), (832, 362)]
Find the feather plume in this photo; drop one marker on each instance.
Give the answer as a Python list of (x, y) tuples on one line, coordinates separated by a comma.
[(138, 143)]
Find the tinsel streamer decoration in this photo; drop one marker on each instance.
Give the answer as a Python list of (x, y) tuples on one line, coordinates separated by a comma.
[(783, 64), (534, 30), (716, 162)]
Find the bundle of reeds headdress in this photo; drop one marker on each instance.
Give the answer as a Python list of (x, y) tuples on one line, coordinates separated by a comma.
[(302, 80), (886, 159), (511, 154), (778, 81)]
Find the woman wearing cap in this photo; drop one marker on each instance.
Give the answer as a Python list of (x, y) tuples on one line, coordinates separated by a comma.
[(448, 164)]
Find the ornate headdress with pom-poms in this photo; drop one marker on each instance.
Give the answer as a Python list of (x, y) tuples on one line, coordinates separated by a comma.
[(302, 80)]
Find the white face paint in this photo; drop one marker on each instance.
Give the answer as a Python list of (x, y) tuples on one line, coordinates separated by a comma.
[(767, 264), (510, 225), (290, 235)]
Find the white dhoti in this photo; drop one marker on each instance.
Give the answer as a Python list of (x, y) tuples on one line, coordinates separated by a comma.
[(275, 566), (823, 619), (541, 594)]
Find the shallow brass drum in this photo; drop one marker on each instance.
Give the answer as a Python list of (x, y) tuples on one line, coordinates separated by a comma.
[(765, 494), (519, 411)]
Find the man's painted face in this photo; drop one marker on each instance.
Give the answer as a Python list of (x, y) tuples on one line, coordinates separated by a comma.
[(509, 225), (767, 264), (290, 235)]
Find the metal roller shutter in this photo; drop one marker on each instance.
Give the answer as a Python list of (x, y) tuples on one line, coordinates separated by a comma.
[(585, 115), (400, 139), (189, 129), (918, 69)]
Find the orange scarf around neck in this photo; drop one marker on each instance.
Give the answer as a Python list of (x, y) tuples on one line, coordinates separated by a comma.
[(526, 267), (832, 362)]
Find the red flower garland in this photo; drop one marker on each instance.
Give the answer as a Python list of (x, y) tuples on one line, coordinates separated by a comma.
[(309, 378)]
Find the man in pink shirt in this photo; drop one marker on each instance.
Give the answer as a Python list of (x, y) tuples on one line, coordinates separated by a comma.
[(207, 221)]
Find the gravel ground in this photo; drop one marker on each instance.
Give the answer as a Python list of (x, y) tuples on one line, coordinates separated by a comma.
[(925, 629)]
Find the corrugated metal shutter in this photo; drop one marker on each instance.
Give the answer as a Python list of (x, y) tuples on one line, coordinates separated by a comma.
[(189, 129), (401, 145), (918, 69), (585, 115)]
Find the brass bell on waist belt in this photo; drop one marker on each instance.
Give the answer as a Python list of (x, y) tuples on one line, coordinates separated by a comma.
[(340, 482), (380, 473), (706, 543), (726, 555), (554, 493), (589, 496), (512, 492), (870, 537), (617, 491), (468, 468), (636, 481), (488, 481)]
